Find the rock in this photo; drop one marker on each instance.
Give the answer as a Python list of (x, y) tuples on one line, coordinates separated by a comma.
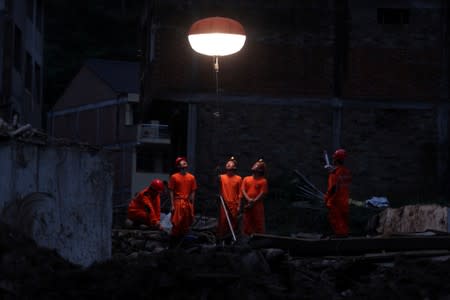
[(133, 255), (412, 218), (159, 249), (150, 245), (136, 244), (273, 254)]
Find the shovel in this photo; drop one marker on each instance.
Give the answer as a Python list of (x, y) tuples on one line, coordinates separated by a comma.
[(225, 209)]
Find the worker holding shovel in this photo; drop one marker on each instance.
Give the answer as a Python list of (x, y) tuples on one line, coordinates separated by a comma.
[(254, 190), (230, 199), (338, 193)]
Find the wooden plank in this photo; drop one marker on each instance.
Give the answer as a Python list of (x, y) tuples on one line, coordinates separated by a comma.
[(350, 245)]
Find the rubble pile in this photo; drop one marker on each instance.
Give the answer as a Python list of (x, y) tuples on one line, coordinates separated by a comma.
[(143, 266), (26, 133), (20, 131), (23, 264), (128, 243)]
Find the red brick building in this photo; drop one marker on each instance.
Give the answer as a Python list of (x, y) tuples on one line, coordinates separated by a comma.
[(369, 76)]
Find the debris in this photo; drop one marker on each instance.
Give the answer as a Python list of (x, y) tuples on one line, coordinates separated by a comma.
[(20, 130), (356, 203), (165, 222), (410, 218), (214, 272), (379, 202), (204, 223)]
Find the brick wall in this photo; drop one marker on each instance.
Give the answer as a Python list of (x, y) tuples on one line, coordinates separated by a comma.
[(394, 144), (392, 151)]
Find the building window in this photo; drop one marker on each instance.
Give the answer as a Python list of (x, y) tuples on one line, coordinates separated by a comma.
[(9, 5), (28, 71), (30, 9), (18, 49), (37, 86), (39, 14), (151, 47), (7, 63), (152, 159), (393, 16)]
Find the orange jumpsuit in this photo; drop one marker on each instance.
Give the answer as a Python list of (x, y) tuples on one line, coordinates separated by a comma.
[(336, 199), (253, 219), (230, 189), (144, 208), (183, 214)]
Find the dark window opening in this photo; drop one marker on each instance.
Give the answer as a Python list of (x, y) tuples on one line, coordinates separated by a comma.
[(39, 13), (37, 87), (28, 71), (393, 16), (8, 57), (152, 159), (30, 9), (18, 49), (9, 5), (175, 115)]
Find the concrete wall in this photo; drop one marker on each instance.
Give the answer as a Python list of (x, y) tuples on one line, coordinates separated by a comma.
[(60, 196)]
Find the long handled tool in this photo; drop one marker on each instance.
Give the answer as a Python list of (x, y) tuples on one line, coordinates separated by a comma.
[(225, 209), (309, 184), (327, 160)]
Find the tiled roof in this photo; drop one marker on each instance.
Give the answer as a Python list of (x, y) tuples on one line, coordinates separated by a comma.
[(121, 76)]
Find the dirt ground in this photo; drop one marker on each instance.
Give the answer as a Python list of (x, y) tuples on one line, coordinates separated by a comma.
[(206, 271)]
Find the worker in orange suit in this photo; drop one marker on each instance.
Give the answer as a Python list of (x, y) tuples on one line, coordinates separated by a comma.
[(338, 194), (230, 190), (254, 190), (182, 187), (144, 208)]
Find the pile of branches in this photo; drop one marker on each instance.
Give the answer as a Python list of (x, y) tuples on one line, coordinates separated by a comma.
[(306, 191)]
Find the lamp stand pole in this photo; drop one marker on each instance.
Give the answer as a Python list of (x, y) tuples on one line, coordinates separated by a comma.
[(217, 116), (216, 71)]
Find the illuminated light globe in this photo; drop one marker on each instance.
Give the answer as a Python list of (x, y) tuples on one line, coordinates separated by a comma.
[(216, 36)]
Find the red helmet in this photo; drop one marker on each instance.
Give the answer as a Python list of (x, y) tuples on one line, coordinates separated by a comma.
[(339, 154), (180, 159), (157, 185)]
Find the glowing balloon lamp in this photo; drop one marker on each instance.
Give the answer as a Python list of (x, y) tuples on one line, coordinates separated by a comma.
[(216, 36)]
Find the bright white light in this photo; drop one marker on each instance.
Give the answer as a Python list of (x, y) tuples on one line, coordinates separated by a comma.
[(216, 44)]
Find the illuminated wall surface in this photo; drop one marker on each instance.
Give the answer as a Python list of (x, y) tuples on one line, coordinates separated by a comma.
[(60, 196)]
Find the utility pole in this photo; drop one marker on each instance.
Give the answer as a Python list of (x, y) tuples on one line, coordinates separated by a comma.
[(341, 42)]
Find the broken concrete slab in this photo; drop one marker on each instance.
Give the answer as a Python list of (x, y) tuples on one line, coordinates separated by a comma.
[(411, 218)]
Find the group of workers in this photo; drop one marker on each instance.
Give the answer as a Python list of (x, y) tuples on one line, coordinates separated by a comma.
[(239, 197)]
